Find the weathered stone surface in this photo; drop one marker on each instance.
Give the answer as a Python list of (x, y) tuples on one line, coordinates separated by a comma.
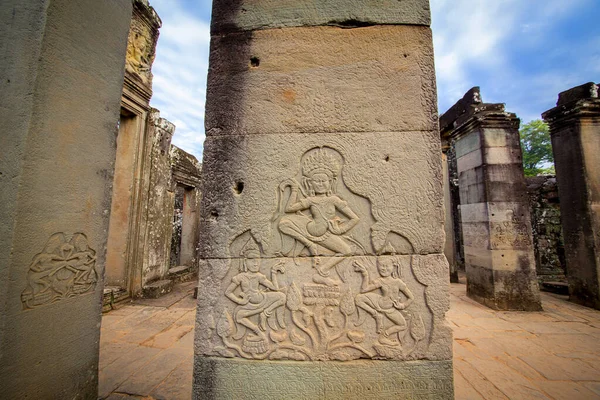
[(160, 200), (574, 126), (311, 80), (391, 181), (232, 15), (227, 379), (62, 70), (156, 289), (546, 227), (141, 43)]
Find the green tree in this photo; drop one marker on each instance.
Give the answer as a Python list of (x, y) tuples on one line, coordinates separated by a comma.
[(537, 148)]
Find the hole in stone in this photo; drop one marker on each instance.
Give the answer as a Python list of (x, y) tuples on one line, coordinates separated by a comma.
[(239, 187), (254, 61), (387, 158), (405, 55), (502, 255), (214, 214)]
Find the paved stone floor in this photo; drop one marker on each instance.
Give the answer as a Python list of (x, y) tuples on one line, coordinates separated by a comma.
[(146, 350)]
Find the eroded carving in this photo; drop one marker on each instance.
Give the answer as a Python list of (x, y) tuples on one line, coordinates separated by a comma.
[(63, 269)]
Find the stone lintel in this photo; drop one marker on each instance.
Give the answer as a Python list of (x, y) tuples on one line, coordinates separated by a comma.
[(248, 15), (185, 167), (139, 93)]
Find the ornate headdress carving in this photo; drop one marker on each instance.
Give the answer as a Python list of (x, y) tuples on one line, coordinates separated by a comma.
[(321, 162), (250, 249)]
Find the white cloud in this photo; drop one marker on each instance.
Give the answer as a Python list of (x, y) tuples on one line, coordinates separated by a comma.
[(180, 70)]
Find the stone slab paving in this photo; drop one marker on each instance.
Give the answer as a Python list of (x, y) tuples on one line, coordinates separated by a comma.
[(146, 349)]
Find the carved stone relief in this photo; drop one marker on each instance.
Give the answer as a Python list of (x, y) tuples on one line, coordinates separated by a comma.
[(320, 296), (65, 268), (140, 51)]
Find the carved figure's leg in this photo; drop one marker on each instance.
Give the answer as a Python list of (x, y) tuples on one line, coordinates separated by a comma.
[(293, 227), (368, 303)]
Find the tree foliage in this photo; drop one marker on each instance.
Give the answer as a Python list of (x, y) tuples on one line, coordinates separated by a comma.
[(537, 148)]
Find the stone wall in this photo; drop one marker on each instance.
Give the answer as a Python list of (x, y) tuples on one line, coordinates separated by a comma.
[(546, 228), (160, 200)]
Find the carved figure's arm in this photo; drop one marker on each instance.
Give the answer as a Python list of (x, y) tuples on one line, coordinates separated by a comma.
[(277, 268), (409, 297), (339, 228), (367, 285), (242, 299)]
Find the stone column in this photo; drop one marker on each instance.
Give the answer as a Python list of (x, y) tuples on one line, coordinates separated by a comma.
[(322, 273), (575, 131), (62, 73), (496, 226)]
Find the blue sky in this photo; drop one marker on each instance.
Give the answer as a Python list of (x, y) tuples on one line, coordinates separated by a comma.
[(520, 52)]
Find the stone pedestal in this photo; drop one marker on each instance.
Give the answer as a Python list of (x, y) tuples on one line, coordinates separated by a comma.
[(62, 74), (322, 272), (494, 207), (575, 131)]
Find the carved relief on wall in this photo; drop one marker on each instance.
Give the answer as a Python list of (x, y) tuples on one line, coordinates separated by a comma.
[(140, 51), (321, 289), (279, 309), (65, 268)]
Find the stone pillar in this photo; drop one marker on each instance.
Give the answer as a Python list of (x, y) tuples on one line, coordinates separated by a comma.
[(62, 73), (575, 131), (322, 184), (494, 206)]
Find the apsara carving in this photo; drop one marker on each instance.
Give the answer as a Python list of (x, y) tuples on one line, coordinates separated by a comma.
[(63, 269)]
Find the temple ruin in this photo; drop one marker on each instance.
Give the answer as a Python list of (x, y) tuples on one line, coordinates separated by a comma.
[(331, 211)]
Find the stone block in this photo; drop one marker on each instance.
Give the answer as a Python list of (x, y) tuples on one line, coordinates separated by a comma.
[(494, 137), (504, 290), (469, 161), (321, 80), (218, 378), (468, 143), (472, 176), (157, 289), (232, 15), (475, 212), (503, 173), (472, 194), (476, 234), (392, 189), (502, 155), (512, 192), (314, 317)]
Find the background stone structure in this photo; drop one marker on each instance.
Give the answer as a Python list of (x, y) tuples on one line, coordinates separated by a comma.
[(62, 75), (574, 129), (546, 228), (147, 169), (322, 226), (494, 207)]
